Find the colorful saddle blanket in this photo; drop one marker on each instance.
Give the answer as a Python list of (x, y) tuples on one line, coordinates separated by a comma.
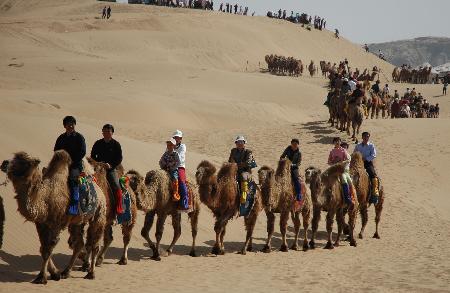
[(126, 217), (247, 207), (84, 197)]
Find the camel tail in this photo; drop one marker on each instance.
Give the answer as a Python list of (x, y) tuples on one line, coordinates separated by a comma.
[(2, 221)]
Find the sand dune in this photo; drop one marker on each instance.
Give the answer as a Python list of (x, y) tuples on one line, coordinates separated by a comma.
[(150, 70)]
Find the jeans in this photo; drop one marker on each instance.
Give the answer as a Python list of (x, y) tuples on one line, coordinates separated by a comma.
[(113, 180), (296, 181)]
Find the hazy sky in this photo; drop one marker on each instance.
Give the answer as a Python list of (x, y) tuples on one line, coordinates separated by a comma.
[(365, 21)]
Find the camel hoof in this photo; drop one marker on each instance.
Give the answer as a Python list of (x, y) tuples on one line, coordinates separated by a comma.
[(90, 276), (222, 252), (169, 252), (353, 242), (65, 274), (85, 267), (376, 236), (99, 262), (193, 253), (305, 246), (360, 236), (156, 258), (123, 261), (312, 244), (336, 244), (40, 279), (294, 247), (266, 249), (284, 248), (215, 250), (243, 251), (250, 248), (329, 246), (55, 276)]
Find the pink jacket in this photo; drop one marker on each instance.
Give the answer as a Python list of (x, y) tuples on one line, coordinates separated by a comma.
[(338, 155)]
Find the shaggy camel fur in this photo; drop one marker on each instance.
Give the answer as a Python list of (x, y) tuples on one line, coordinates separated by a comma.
[(44, 200), (220, 194), (100, 170), (326, 194), (356, 117), (277, 192), (154, 196), (362, 184), (2, 221)]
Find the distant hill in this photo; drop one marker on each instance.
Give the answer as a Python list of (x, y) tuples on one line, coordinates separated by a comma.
[(433, 50)]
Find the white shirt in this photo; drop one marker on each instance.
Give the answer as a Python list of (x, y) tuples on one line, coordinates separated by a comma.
[(181, 150), (352, 85)]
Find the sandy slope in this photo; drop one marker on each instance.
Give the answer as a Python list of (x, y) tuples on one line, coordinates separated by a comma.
[(150, 70)]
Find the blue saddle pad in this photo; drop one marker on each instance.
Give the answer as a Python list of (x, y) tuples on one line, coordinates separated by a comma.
[(247, 207), (126, 217), (88, 197)]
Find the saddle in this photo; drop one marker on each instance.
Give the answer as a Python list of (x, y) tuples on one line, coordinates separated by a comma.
[(247, 207), (125, 218), (87, 203)]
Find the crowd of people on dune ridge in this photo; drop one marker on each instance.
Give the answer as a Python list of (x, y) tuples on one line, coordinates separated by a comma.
[(197, 4), (96, 192), (317, 22)]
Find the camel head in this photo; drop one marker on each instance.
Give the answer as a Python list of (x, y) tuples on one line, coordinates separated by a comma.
[(313, 177), (284, 168), (136, 184), (20, 166), (205, 171), (357, 160), (265, 174), (99, 167)]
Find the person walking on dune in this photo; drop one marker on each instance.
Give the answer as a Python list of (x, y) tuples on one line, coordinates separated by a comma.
[(444, 89), (108, 12), (104, 13)]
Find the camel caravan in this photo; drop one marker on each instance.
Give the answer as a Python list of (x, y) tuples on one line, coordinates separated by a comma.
[(281, 65), (89, 195), (405, 74)]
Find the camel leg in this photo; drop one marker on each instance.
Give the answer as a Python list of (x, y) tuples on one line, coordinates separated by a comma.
[(306, 214), (145, 232), (218, 227), (352, 215), (176, 223), (48, 240), (284, 216), (340, 224), (364, 219), (194, 228), (158, 234), (330, 221), (76, 234), (250, 222), (270, 229), (94, 235), (378, 210), (107, 240), (55, 275), (126, 235), (222, 236), (315, 227), (296, 220)]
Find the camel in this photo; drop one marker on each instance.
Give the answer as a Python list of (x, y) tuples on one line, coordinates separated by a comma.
[(44, 199), (220, 194), (386, 103), (100, 170), (396, 75), (374, 106), (312, 68), (356, 116), (326, 194), (361, 181), (277, 193), (154, 196)]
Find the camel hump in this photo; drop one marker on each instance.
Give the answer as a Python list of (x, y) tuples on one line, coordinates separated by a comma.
[(228, 170)]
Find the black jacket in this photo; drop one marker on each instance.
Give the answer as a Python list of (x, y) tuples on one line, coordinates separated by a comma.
[(107, 152), (243, 158), (294, 156), (75, 145)]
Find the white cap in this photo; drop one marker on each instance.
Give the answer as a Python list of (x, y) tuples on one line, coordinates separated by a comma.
[(345, 79), (177, 133), (240, 138), (172, 141)]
